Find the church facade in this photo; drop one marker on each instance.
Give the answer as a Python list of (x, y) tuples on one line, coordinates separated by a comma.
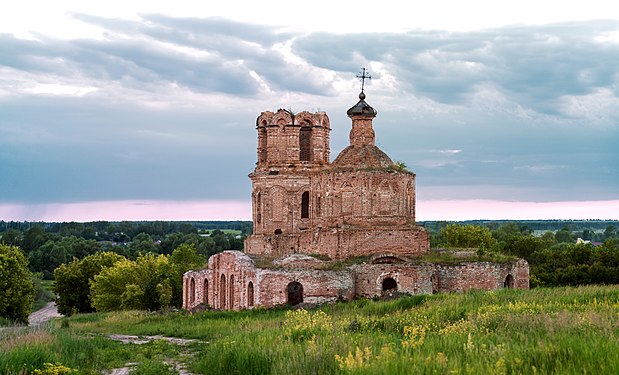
[(326, 231)]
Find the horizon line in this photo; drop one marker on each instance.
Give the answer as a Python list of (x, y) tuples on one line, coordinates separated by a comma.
[(240, 210)]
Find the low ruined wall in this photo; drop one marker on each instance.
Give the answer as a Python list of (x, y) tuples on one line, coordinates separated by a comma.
[(319, 286), (411, 279), (481, 275), (232, 280)]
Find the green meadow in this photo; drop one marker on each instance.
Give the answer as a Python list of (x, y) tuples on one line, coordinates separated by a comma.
[(571, 330)]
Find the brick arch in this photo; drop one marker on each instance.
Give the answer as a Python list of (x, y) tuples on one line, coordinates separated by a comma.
[(324, 121), (305, 119), (282, 118)]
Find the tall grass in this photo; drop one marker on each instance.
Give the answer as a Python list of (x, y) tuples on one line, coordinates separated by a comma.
[(555, 330)]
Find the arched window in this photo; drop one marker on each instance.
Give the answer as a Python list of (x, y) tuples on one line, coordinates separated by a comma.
[(295, 293), (192, 291), (305, 205), (231, 299), (222, 292), (250, 294), (305, 143), (263, 143), (205, 292)]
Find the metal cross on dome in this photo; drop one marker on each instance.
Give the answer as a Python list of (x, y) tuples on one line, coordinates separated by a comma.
[(362, 76)]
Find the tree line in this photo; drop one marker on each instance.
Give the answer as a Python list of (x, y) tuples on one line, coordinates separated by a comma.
[(143, 269), (555, 258), (48, 245)]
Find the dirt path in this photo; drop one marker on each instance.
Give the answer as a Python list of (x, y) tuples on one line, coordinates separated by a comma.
[(43, 315)]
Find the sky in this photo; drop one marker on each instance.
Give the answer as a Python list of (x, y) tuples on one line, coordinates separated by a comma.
[(146, 110)]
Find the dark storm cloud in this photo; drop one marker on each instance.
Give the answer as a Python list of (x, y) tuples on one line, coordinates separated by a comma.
[(534, 65)]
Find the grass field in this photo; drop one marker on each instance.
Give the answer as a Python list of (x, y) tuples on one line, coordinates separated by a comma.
[(555, 330)]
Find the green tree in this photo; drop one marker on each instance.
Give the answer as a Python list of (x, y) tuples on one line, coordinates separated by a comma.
[(72, 281), (564, 235), (16, 286), (132, 284), (610, 232), (467, 236), (183, 258)]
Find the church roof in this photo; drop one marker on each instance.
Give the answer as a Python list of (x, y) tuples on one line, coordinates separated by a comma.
[(361, 108), (361, 157)]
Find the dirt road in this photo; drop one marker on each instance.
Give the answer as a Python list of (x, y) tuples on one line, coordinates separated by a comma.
[(41, 316)]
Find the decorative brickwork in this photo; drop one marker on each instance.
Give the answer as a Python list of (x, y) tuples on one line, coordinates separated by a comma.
[(309, 215)]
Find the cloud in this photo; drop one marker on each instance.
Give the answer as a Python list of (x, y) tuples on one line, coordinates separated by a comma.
[(159, 108), (536, 67)]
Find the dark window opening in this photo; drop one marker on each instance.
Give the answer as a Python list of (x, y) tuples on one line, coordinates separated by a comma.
[(305, 205), (263, 144), (258, 208), (231, 299), (222, 292), (390, 285), (305, 140), (295, 293), (250, 294), (192, 292), (278, 231)]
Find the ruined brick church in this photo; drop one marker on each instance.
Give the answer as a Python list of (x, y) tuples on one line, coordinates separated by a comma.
[(326, 231)]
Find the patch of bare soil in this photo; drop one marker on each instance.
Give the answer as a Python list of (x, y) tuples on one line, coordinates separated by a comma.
[(140, 340), (47, 313)]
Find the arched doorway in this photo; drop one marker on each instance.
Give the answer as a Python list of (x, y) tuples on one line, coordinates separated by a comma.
[(390, 285), (192, 291), (205, 292), (222, 292), (295, 293), (250, 294), (509, 282)]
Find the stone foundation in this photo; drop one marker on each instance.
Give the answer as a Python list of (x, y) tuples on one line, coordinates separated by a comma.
[(232, 281)]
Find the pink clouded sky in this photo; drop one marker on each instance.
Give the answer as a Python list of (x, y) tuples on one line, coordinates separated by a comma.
[(453, 210)]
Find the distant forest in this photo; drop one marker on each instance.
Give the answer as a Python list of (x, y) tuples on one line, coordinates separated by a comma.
[(592, 259), (48, 245)]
